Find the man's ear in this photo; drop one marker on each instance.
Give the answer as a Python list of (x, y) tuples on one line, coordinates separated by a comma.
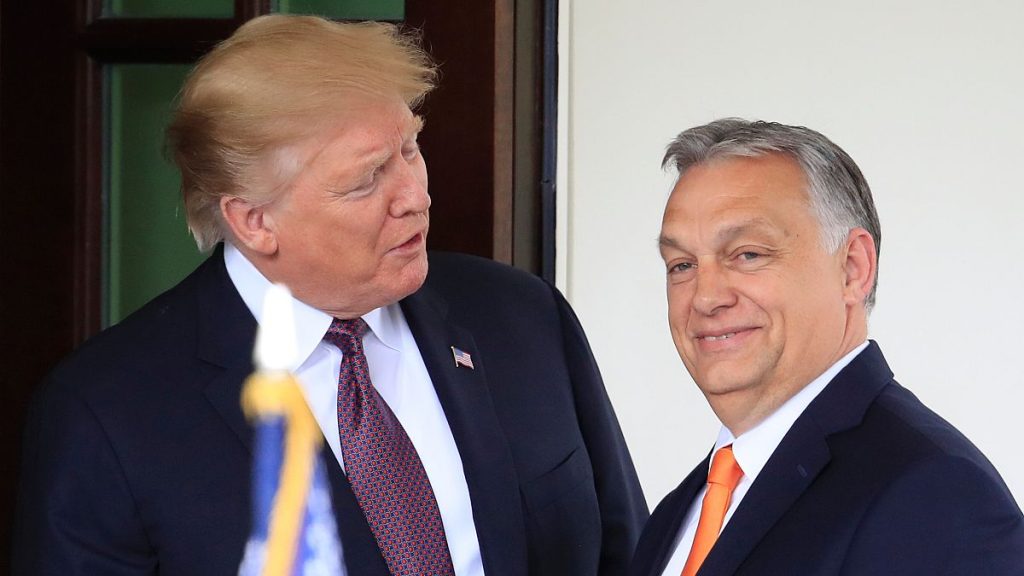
[(250, 224), (861, 266)]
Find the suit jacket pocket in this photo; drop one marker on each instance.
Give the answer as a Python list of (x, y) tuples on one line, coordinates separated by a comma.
[(563, 518)]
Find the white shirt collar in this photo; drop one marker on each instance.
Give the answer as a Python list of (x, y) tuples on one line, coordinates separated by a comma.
[(310, 324), (754, 447)]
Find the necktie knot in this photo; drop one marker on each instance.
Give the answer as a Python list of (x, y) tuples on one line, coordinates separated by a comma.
[(724, 469), (347, 334)]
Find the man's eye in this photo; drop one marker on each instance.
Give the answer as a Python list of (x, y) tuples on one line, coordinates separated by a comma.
[(369, 182), (682, 267), (748, 256)]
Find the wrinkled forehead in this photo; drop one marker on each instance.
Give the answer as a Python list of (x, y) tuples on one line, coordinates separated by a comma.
[(355, 131)]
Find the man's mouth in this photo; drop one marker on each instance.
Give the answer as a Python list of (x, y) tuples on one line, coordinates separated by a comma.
[(720, 336), (412, 242)]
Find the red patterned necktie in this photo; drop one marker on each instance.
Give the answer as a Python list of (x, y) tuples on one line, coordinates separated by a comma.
[(382, 466)]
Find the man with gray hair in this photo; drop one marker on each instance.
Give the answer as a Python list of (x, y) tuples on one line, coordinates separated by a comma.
[(824, 464)]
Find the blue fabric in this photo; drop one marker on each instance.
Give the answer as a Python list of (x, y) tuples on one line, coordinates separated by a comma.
[(268, 456), (137, 456), (868, 481)]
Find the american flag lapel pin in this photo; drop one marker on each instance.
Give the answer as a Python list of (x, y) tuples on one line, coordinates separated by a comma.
[(462, 358)]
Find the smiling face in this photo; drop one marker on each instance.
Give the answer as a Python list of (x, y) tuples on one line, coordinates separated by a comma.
[(349, 234), (757, 307)]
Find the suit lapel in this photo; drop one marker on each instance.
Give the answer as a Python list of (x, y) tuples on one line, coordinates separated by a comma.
[(362, 555), (226, 330), (680, 501), (224, 391), (469, 409), (791, 469), (799, 458)]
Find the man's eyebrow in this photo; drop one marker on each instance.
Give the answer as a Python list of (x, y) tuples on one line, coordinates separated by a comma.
[(374, 158), (417, 125), (668, 242)]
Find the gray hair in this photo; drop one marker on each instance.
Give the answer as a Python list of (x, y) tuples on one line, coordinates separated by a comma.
[(838, 193)]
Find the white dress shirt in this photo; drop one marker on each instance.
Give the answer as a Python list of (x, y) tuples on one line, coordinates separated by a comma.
[(752, 451), (400, 377)]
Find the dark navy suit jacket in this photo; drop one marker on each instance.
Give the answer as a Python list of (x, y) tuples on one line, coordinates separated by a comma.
[(137, 456), (868, 482)]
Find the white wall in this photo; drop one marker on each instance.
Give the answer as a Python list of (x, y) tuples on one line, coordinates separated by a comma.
[(927, 96)]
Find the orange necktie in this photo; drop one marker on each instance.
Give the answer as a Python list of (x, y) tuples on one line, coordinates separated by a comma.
[(722, 479)]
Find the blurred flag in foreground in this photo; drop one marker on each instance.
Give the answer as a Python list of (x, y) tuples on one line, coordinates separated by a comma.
[(293, 528)]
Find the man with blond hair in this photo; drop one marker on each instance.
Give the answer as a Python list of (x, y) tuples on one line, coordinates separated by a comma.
[(467, 428), (824, 465)]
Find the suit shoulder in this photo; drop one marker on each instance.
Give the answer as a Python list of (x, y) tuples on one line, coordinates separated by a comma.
[(945, 511), (156, 334), (453, 267), (900, 437), (473, 280), (503, 307), (909, 424)]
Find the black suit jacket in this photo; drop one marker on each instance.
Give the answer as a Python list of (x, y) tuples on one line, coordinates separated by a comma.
[(137, 457), (867, 482)]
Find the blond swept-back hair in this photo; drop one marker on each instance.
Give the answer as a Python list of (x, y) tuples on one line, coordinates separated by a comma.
[(269, 85)]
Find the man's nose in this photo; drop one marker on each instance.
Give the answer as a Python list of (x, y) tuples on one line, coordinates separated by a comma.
[(713, 288), (411, 196)]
